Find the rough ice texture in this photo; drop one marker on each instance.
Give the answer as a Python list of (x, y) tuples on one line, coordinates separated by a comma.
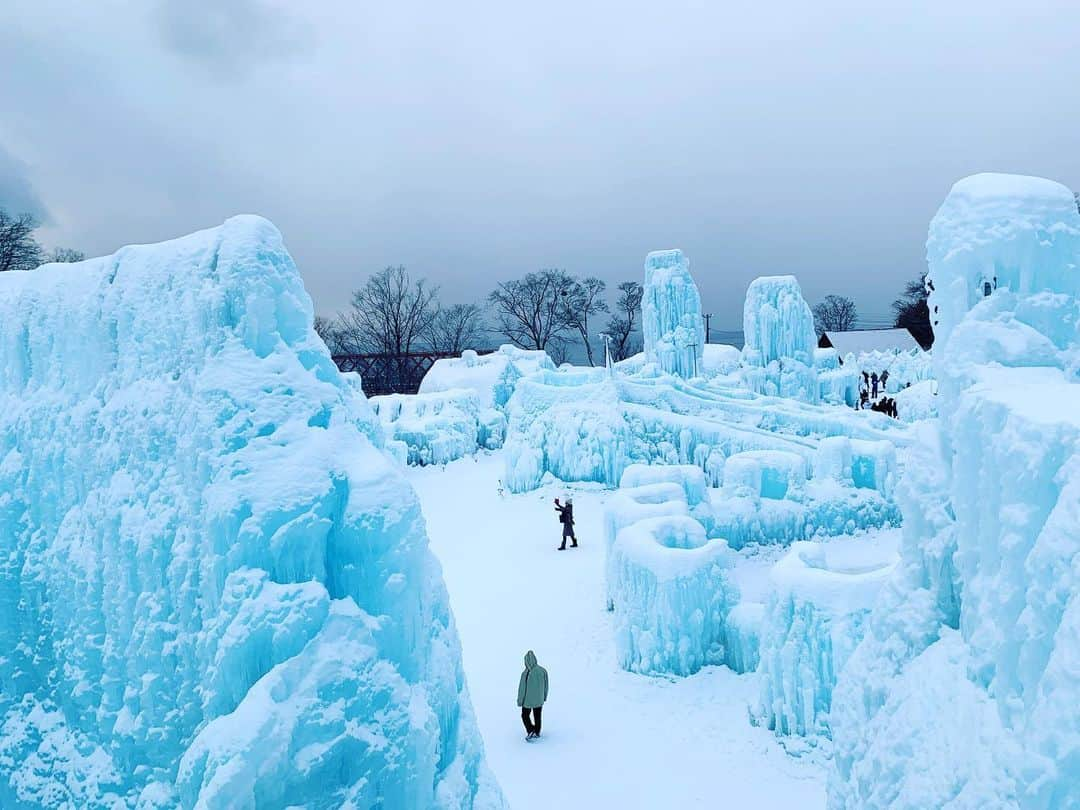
[(779, 354), (769, 497), (671, 321), (819, 602), (442, 426), (587, 425), (904, 367), (215, 588), (491, 377), (965, 691), (671, 595)]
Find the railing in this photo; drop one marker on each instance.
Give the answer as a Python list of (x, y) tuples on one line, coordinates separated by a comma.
[(392, 373)]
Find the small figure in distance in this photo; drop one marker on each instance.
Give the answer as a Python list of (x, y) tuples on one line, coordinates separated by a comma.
[(532, 694), (873, 385), (864, 398), (566, 518)]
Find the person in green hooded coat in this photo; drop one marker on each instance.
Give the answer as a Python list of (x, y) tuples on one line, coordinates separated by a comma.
[(532, 693)]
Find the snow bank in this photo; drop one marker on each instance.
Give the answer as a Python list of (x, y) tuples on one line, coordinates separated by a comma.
[(215, 588), (964, 691), (671, 594), (820, 598), (671, 322), (440, 427)]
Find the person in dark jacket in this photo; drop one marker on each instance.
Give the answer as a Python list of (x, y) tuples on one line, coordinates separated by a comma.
[(566, 518), (873, 385), (532, 694)]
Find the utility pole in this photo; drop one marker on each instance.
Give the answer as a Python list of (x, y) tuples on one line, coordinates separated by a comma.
[(707, 318)]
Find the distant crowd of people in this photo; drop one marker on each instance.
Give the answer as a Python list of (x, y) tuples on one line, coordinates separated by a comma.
[(868, 394)]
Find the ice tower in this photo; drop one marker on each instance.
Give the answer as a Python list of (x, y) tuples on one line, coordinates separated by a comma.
[(671, 314), (215, 586), (965, 690)]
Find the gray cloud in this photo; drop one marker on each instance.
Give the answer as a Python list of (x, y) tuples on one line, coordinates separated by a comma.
[(17, 194), (229, 37), (474, 141)]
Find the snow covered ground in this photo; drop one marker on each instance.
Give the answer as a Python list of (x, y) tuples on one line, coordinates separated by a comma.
[(611, 738)]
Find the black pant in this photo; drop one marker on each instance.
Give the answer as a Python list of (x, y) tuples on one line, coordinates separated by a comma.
[(568, 531), (531, 726)]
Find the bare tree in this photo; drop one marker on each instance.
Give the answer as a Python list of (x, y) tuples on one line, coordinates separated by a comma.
[(531, 310), (456, 328), (390, 314), (913, 311), (63, 255), (18, 248), (583, 299), (835, 314), (327, 329), (622, 325)]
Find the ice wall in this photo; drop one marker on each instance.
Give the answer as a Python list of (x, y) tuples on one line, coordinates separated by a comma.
[(491, 377), (442, 426), (817, 609), (671, 319), (964, 692), (215, 588), (779, 355)]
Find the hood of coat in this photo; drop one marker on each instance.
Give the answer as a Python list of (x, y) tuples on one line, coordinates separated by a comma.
[(530, 659)]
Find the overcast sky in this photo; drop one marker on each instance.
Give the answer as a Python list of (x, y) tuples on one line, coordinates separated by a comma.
[(474, 142)]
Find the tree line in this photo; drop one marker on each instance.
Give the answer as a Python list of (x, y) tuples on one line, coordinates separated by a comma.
[(20, 249), (552, 310)]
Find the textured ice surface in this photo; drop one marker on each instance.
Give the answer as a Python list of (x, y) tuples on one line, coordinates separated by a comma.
[(671, 594), (965, 691), (780, 357), (671, 321), (215, 588), (821, 596), (491, 376), (442, 426)]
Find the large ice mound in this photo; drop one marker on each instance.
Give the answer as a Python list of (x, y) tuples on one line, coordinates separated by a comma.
[(671, 322), (215, 588), (965, 690), (671, 595)]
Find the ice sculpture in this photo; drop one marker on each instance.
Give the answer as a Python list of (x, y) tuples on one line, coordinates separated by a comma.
[(671, 319), (769, 498), (964, 691), (819, 602), (491, 377), (671, 594), (780, 356), (440, 427), (215, 588), (777, 322)]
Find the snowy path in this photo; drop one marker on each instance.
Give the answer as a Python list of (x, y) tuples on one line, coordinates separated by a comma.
[(611, 739)]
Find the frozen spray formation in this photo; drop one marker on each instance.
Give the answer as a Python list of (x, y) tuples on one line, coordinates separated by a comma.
[(215, 588), (965, 690), (671, 320)]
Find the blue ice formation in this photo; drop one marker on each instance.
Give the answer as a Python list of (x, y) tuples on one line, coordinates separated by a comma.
[(964, 691), (492, 377), (587, 425), (441, 426), (215, 587), (671, 593), (671, 321), (817, 608), (780, 355)]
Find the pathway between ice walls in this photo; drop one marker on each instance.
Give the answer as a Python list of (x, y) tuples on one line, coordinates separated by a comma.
[(965, 692), (215, 586)]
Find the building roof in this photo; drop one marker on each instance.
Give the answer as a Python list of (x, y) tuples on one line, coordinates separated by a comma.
[(871, 340)]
